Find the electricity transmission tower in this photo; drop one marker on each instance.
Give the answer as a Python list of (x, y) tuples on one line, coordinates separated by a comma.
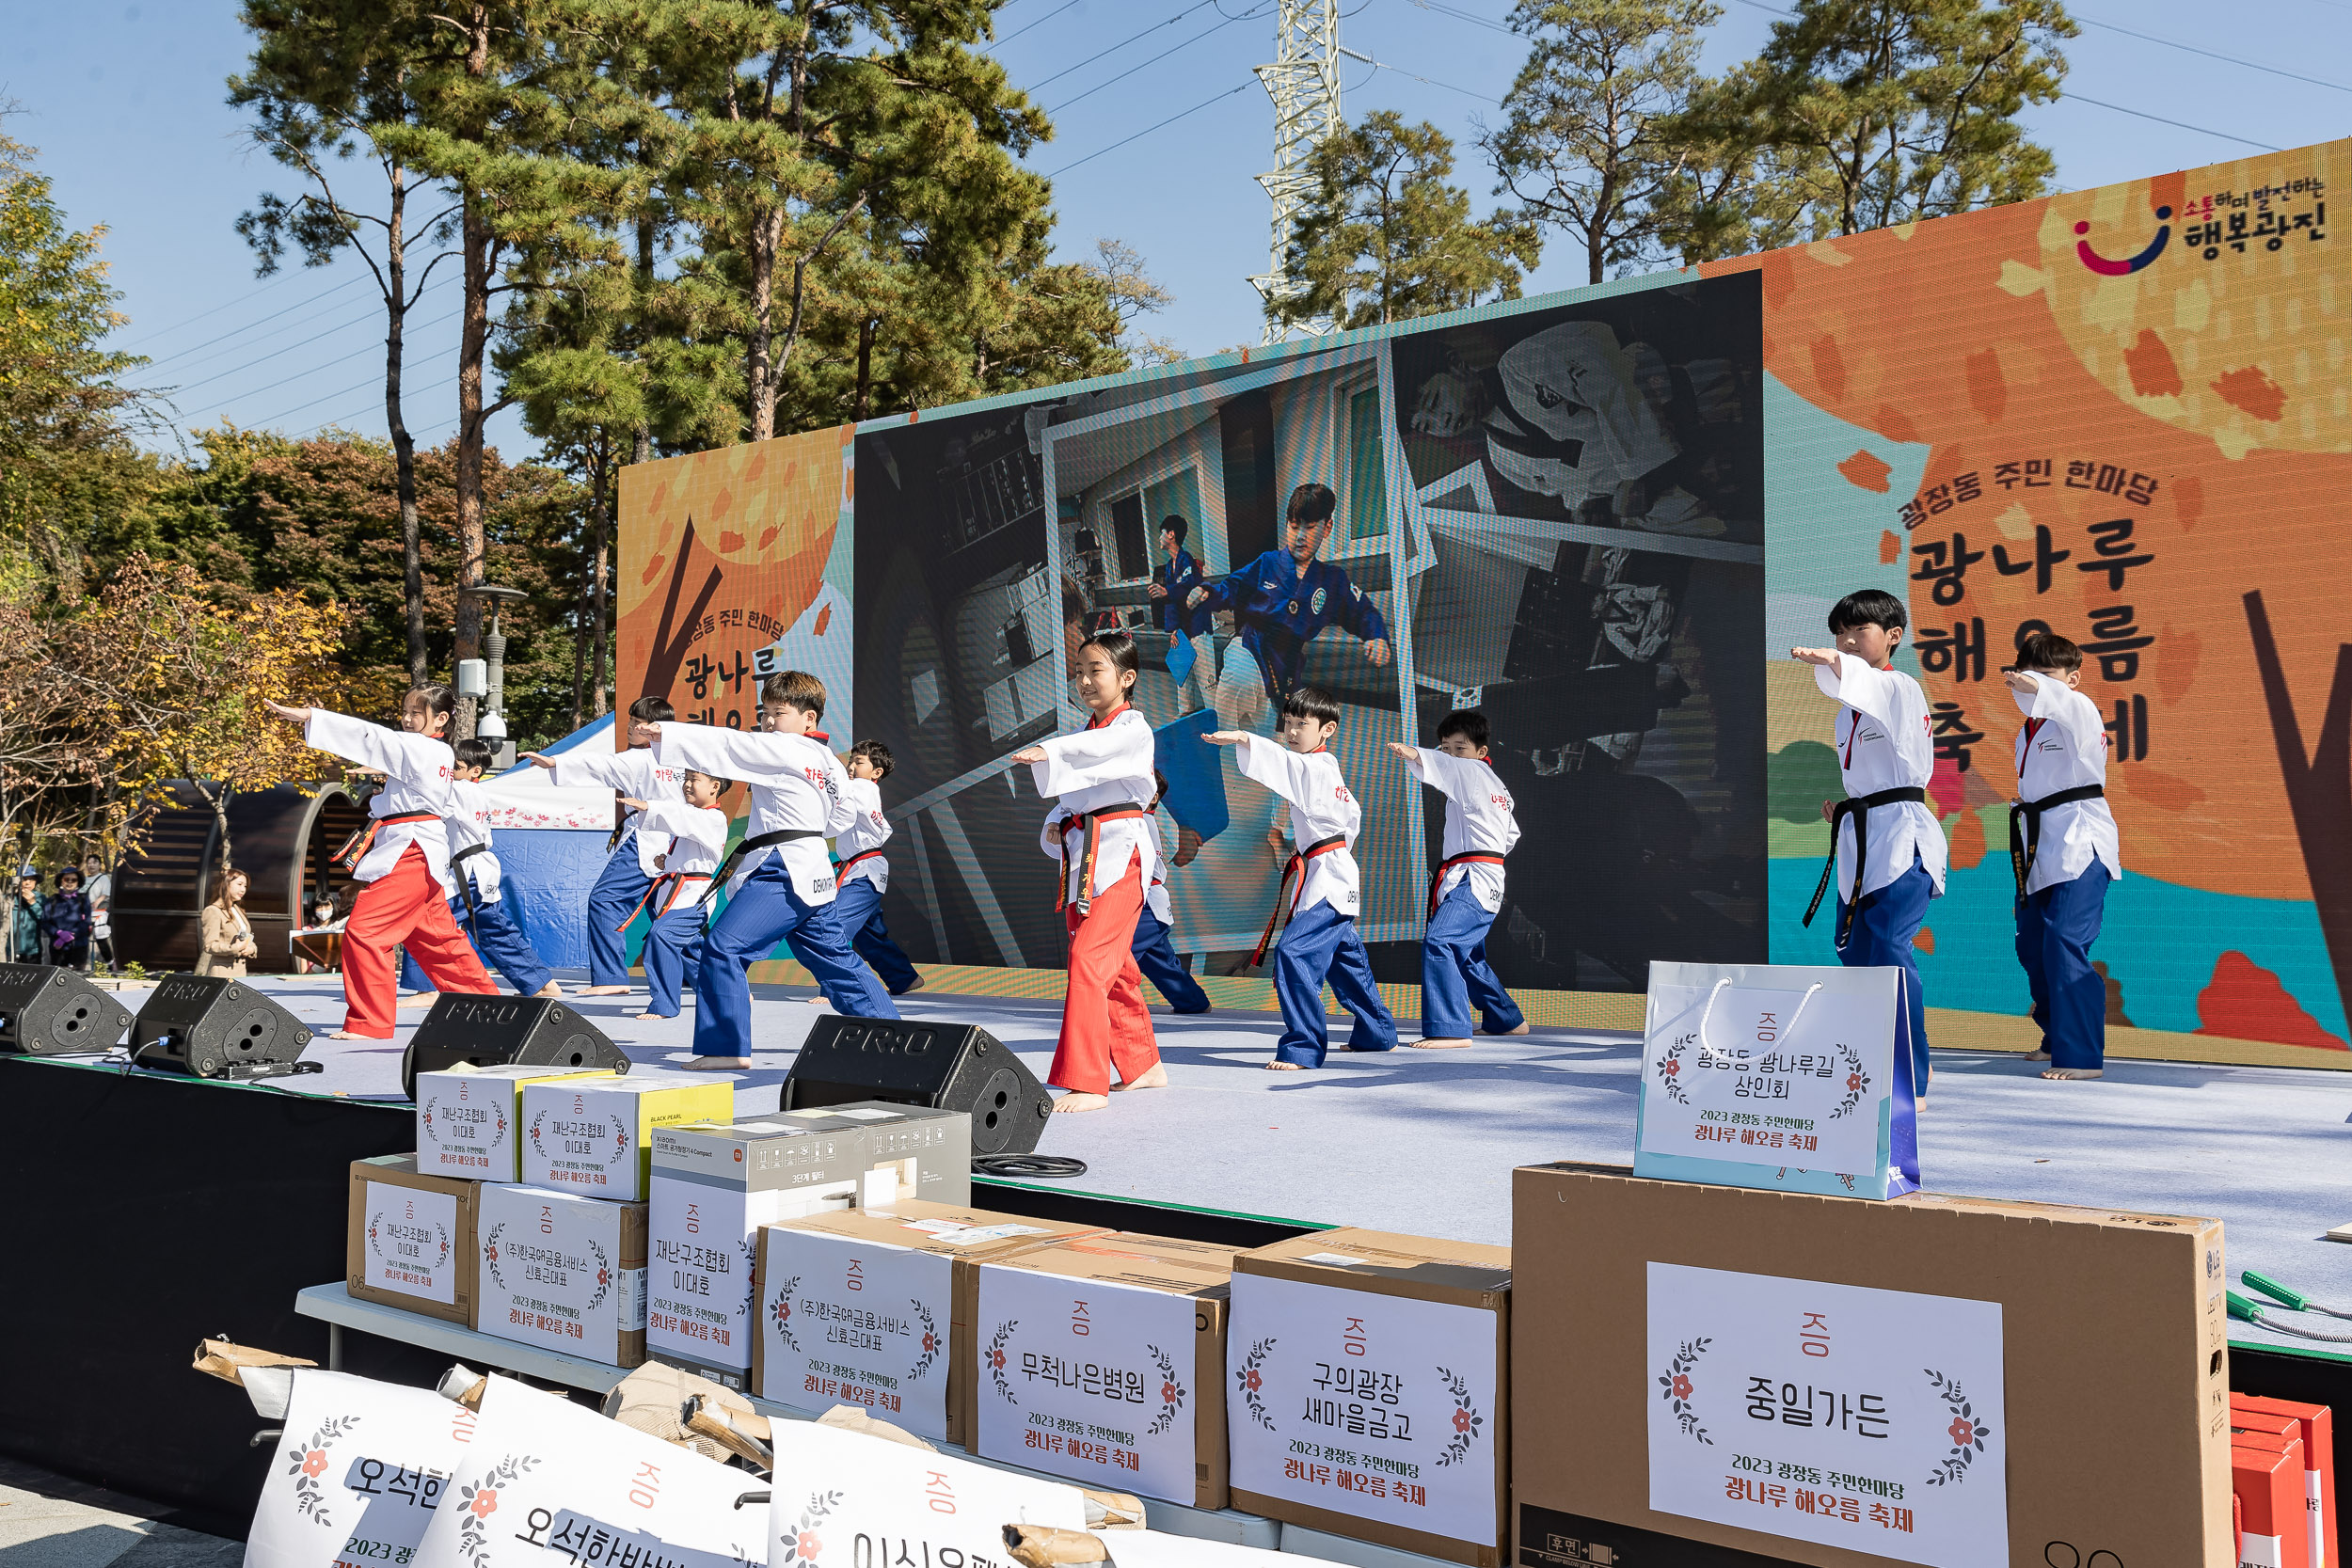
[(1304, 83)]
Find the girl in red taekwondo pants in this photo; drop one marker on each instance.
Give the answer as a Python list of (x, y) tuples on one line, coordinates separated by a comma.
[(1109, 850), (401, 858)]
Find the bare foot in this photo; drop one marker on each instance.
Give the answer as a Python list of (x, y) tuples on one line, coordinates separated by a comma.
[(423, 999), (1439, 1045), (2074, 1072), (909, 989), (350, 1034), (549, 989), (816, 1000), (718, 1064), (1284, 1067), (1154, 1077), (1520, 1030), (2037, 1055), (645, 1017), (1080, 1102), (602, 990)]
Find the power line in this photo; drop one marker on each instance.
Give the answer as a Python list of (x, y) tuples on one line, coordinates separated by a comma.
[(2229, 59), (1039, 23), (405, 395), (1429, 81), (294, 324), (1157, 58), (1122, 45), (1149, 129), (257, 320), (1461, 15), (191, 321), (419, 326), (289, 348)]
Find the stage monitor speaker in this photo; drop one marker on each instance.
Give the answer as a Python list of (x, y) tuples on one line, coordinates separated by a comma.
[(949, 1067), (498, 1031), (47, 1011), (211, 1026)]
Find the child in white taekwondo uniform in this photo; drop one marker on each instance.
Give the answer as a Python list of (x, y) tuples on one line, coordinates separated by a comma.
[(680, 898), (1320, 942), (633, 863), (865, 870), (480, 907), (1154, 955), (1887, 854), (779, 879), (2064, 849), (1467, 892), (401, 859)]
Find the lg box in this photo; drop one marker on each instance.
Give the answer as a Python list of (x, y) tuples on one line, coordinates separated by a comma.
[(913, 1151)]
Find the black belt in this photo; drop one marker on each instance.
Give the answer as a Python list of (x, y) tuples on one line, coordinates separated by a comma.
[(734, 856), (1296, 862), (1092, 822), (1859, 808), (2025, 827), (464, 883)]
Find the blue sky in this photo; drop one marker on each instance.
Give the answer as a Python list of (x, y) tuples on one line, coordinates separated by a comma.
[(126, 103)]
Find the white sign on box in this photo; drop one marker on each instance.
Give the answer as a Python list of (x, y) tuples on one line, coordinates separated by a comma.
[(1862, 1419), (413, 1240), (860, 1321), (1087, 1379), (547, 1482), (1373, 1405), (704, 1244), (844, 1498), (358, 1475), (1782, 1077), (552, 1272)]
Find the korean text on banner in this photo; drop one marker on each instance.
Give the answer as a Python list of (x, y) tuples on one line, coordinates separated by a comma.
[(360, 1471), (845, 1497), (1862, 1419), (1389, 1415), (1783, 1077)]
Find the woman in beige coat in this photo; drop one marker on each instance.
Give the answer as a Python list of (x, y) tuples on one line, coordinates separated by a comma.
[(228, 935)]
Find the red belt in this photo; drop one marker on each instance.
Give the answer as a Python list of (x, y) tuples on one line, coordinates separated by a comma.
[(1297, 862), (1474, 857), (355, 847), (675, 881), (1092, 822), (841, 870)]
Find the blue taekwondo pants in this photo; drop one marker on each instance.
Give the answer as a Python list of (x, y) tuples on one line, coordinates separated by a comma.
[(1163, 968), (764, 911), (499, 943), (2054, 931), (1884, 924), (859, 910), (620, 888), (1320, 944), (674, 950), (1455, 975)]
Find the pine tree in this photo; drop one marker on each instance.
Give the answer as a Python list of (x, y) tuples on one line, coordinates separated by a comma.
[(1386, 239)]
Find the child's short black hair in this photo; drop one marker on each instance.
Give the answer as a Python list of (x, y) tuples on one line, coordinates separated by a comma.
[(1312, 702), (1869, 607), (877, 754), (1175, 525), (474, 752), (652, 710), (1468, 722), (439, 701), (724, 784), (2047, 650), (1159, 787), (794, 688), (1311, 503)]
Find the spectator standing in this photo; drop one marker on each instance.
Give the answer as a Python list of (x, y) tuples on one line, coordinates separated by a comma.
[(228, 935), (24, 943), (65, 922), (98, 886)]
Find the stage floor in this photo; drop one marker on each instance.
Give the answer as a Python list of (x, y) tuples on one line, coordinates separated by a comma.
[(1424, 1142)]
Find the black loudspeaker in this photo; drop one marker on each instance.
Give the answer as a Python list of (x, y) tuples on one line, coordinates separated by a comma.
[(498, 1031), (46, 1011), (211, 1026), (948, 1067)]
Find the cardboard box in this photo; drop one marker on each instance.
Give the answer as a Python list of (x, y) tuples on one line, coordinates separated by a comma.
[(1367, 1384), (714, 1188), (873, 1307), (913, 1151), (470, 1121), (2316, 1424), (1953, 1337), (1102, 1360), (564, 1273), (411, 1239), (596, 1138)]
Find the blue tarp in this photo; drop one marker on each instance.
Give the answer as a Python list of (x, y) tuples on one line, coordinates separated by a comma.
[(548, 872)]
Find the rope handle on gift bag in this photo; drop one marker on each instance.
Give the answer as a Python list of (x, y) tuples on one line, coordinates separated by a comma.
[(1787, 1029)]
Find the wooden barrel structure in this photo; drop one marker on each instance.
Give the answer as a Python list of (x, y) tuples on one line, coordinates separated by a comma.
[(280, 838)]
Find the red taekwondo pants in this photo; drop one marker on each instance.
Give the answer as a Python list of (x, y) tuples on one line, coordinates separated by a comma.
[(1104, 1021), (403, 906)]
